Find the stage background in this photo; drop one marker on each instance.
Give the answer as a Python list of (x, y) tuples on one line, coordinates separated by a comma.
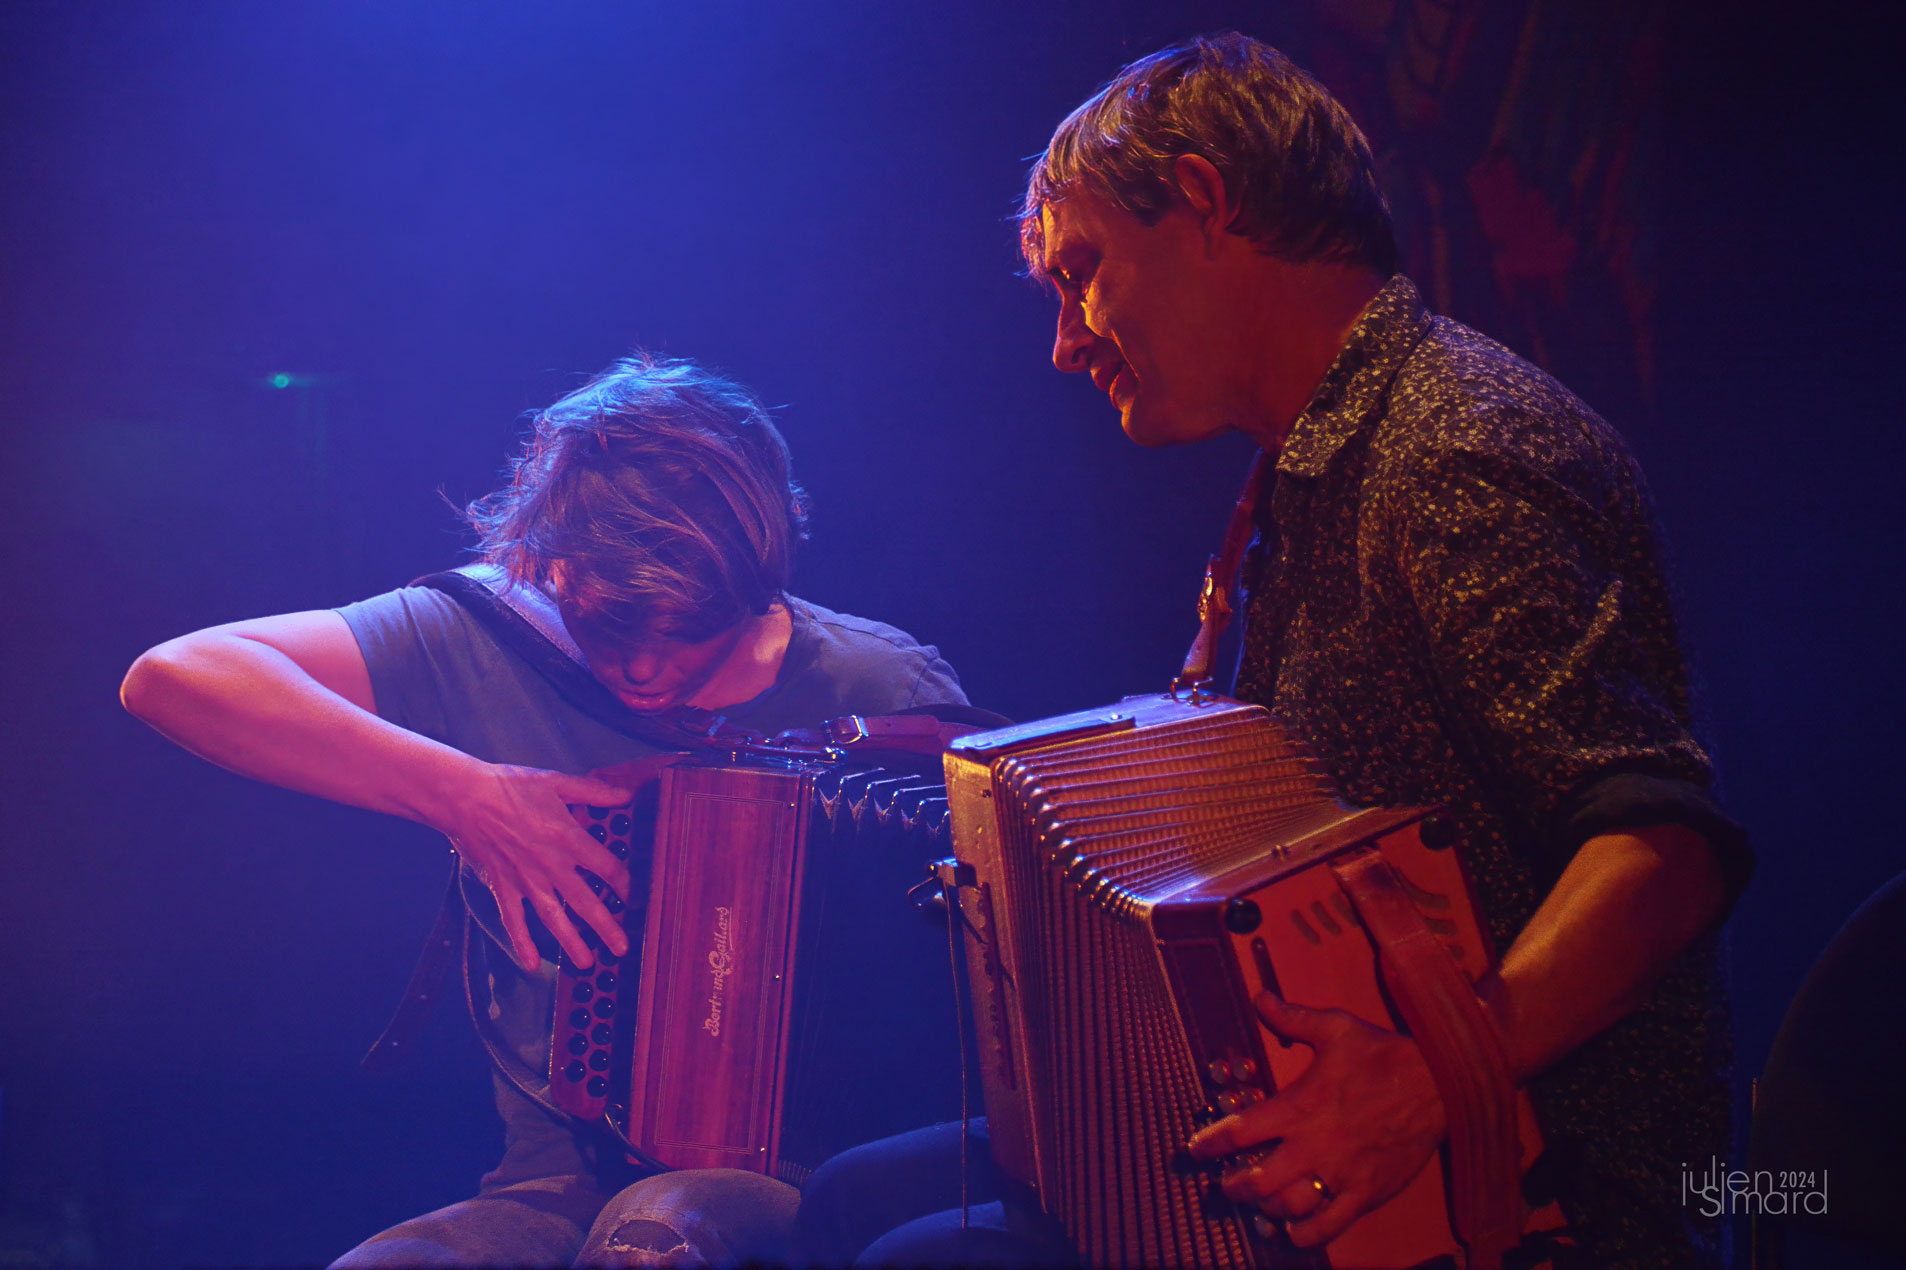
[(428, 218)]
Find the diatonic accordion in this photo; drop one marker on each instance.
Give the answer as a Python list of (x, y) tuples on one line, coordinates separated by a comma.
[(1131, 877), (790, 1001)]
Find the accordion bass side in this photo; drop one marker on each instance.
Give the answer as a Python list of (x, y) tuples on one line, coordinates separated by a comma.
[(1131, 877), (761, 893)]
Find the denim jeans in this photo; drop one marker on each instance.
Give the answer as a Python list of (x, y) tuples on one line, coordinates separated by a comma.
[(898, 1202), (693, 1217)]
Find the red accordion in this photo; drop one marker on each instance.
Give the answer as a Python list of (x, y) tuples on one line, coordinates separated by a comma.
[(761, 892), (1131, 877)]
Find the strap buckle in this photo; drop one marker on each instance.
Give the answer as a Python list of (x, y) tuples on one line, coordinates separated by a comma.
[(847, 730), (1191, 689)]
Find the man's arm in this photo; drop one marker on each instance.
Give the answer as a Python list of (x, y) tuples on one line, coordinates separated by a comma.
[(288, 700), (1625, 907), (1366, 1114)]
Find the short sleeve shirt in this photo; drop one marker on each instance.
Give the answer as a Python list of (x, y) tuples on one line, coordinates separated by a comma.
[(436, 670)]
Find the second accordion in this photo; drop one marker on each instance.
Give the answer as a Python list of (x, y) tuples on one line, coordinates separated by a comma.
[(743, 1030), (1128, 879)]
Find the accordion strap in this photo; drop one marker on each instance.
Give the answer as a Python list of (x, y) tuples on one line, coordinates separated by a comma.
[(1464, 1053), (433, 967), (1220, 584), (526, 622)]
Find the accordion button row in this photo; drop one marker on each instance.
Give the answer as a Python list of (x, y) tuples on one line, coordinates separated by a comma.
[(1240, 1071), (1237, 1099)]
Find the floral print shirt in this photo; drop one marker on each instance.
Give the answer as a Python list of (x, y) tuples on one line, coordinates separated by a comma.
[(1456, 596)]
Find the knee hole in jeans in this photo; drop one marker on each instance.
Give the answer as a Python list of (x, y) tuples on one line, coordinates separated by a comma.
[(645, 1235)]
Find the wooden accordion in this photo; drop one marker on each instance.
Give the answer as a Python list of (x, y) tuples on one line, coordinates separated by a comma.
[(763, 894), (1128, 879)]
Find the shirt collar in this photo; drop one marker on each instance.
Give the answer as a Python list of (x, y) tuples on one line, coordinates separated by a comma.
[(1387, 332)]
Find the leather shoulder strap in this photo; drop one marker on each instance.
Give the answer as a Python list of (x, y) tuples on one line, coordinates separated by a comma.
[(420, 994), (1221, 583), (1464, 1053), (526, 622)]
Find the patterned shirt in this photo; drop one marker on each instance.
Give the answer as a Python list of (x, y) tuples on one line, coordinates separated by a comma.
[(1456, 596)]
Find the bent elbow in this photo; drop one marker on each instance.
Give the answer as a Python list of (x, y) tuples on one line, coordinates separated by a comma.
[(144, 689)]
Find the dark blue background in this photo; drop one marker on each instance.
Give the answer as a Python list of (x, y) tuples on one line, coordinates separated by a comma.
[(441, 215)]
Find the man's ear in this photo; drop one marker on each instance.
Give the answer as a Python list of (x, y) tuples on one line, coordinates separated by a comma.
[(1202, 188)]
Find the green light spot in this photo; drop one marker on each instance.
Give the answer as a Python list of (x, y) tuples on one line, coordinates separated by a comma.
[(281, 380)]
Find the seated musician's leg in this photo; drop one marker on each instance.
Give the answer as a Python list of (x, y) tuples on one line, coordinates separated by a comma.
[(861, 1194), (693, 1217), (996, 1234), (540, 1222)]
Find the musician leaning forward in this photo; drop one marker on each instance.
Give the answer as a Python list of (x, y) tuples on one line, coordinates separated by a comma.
[(656, 508), (1455, 598)]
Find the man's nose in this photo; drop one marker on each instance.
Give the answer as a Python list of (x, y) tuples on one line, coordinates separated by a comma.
[(1073, 343), (641, 666)]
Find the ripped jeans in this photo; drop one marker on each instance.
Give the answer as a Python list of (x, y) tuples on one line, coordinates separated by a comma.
[(693, 1217)]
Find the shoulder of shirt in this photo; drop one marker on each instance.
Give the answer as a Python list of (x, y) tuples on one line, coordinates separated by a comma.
[(1462, 393), (861, 630), (409, 598)]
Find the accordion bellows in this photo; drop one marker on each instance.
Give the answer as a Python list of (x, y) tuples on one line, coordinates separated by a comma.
[(1138, 874)]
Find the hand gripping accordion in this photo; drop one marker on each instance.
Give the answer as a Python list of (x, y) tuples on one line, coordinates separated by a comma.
[(743, 1030), (1126, 880)]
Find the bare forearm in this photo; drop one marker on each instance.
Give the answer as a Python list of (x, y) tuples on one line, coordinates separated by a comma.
[(250, 708), (1624, 908)]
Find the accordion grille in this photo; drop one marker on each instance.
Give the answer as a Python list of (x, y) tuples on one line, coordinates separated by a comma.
[(1092, 832)]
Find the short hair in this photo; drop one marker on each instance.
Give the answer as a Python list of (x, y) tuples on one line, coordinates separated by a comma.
[(663, 496), (1297, 164)]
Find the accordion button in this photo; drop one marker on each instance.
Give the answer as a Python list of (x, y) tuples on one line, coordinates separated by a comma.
[(619, 825), (579, 1018), (610, 900), (1219, 1072), (605, 981), (574, 1071), (1264, 1226), (1230, 1100), (578, 1043), (601, 1034), (585, 990), (597, 1086), (599, 1061), (598, 833), (1242, 916), (1438, 832), (605, 1006), (1244, 1069)]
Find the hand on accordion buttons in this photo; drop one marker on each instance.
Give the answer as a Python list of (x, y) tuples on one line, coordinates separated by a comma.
[(1363, 1119), (513, 828)]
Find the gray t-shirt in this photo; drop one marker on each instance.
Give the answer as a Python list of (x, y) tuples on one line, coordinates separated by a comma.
[(436, 670)]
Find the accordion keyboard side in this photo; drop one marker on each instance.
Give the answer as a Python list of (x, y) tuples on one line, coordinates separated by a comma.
[(759, 897), (1142, 884), (717, 961)]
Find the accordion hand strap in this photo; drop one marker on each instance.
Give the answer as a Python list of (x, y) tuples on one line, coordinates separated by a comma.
[(1464, 1053), (1220, 584)]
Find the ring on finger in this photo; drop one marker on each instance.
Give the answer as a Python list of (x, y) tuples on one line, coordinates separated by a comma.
[(1322, 1188)]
